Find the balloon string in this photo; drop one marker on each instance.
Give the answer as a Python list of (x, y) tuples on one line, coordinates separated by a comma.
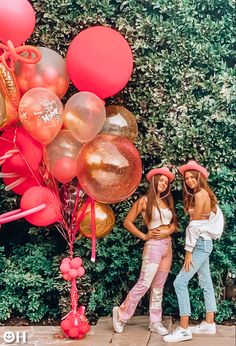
[(12, 54), (93, 226), (74, 295), (5, 219), (81, 214), (15, 183), (76, 204), (9, 175), (7, 155)]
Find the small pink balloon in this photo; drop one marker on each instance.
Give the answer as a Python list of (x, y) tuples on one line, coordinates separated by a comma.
[(66, 277), (65, 267), (76, 263), (73, 273), (64, 169), (36, 196), (80, 271), (66, 259)]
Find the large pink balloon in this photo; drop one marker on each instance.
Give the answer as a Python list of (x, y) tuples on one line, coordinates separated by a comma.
[(84, 116), (109, 168), (17, 21), (100, 60), (40, 112), (50, 73)]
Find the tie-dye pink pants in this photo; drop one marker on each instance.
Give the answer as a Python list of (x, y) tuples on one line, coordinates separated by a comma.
[(156, 263)]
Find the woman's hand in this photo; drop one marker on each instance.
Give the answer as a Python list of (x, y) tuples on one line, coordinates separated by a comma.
[(188, 261), (161, 232)]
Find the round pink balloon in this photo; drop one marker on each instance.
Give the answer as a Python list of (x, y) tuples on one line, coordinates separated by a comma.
[(36, 196), (17, 21), (100, 60), (109, 168)]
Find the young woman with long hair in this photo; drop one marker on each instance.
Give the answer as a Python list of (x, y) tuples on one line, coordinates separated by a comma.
[(157, 210), (200, 203)]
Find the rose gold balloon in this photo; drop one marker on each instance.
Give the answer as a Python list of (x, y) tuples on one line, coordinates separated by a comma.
[(84, 116), (104, 219), (40, 112), (121, 122), (50, 73), (61, 156), (109, 168)]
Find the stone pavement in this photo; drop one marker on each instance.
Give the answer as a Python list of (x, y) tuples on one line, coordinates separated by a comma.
[(136, 333)]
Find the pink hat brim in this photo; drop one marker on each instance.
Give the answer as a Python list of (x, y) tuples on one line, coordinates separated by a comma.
[(161, 171), (194, 166)]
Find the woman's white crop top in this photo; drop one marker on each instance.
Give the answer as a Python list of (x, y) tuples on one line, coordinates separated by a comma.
[(156, 221)]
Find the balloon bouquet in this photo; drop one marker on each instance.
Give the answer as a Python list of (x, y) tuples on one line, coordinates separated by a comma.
[(67, 163)]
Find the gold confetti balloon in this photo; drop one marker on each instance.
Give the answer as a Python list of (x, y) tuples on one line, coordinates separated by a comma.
[(109, 168), (104, 220), (121, 122)]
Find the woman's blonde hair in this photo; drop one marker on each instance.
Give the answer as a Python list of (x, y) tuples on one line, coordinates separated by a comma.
[(152, 200), (189, 194)]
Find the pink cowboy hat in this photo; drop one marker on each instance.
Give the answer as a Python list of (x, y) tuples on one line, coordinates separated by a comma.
[(162, 171), (194, 166)]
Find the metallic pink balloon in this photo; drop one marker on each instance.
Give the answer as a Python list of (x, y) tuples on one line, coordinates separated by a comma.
[(109, 168)]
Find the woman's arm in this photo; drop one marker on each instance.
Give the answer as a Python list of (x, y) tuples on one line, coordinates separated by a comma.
[(192, 234), (136, 209)]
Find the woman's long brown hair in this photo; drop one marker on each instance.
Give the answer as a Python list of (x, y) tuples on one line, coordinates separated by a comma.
[(189, 194), (152, 201)]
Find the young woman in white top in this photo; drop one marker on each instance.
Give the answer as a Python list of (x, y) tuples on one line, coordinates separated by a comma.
[(157, 209), (199, 203)]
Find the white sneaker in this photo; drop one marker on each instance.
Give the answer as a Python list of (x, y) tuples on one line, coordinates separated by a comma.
[(204, 328), (117, 325), (179, 334), (158, 327)]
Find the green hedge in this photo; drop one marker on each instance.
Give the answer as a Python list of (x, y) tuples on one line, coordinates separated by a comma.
[(182, 94)]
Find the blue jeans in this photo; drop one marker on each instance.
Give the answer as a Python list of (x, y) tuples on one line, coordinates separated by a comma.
[(200, 260)]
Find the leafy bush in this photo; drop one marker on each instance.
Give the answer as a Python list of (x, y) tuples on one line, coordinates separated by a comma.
[(182, 93)]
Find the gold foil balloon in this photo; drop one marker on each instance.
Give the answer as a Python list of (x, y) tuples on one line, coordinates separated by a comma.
[(50, 73), (109, 168), (9, 98), (8, 86), (40, 112), (121, 122), (61, 156), (84, 115), (8, 113), (2, 110), (104, 219)]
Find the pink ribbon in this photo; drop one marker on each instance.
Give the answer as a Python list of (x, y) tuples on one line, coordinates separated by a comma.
[(12, 54)]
